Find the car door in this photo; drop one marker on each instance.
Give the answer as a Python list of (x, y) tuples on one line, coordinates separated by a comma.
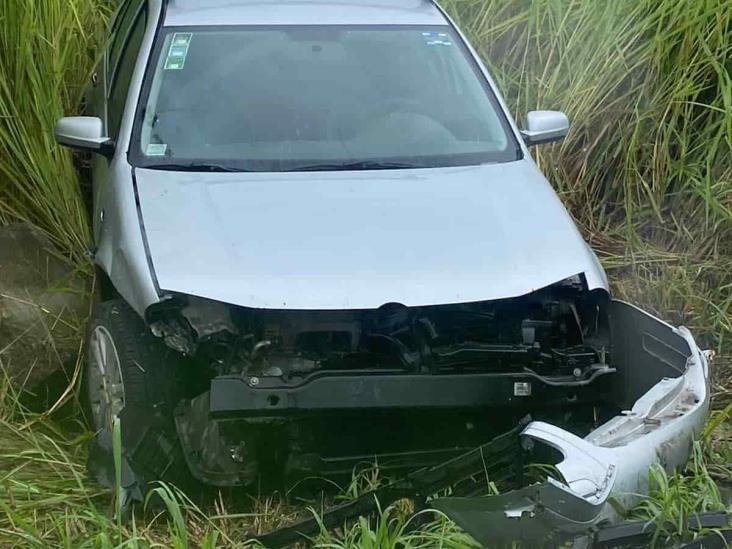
[(113, 81)]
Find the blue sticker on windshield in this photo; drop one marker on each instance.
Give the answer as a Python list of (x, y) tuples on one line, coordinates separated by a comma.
[(437, 39)]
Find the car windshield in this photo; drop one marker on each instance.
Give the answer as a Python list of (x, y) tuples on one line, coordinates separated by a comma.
[(317, 98)]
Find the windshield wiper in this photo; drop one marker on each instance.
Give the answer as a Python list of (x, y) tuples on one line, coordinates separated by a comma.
[(346, 166), (360, 165), (195, 167)]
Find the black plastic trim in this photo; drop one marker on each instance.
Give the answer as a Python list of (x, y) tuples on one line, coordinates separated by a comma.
[(268, 396)]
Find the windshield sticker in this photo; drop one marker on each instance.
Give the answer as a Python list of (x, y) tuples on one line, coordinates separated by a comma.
[(437, 39), (178, 51), (181, 39), (156, 149)]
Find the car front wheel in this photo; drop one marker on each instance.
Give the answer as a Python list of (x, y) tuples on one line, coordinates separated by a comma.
[(126, 364), (131, 374)]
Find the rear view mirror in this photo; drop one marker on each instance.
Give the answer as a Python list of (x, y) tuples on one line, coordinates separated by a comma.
[(544, 127), (85, 133)]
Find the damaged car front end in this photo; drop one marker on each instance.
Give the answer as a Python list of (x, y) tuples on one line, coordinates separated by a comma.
[(661, 388), (610, 390), (439, 379)]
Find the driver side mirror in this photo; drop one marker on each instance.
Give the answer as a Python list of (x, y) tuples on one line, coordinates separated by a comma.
[(545, 127), (84, 133)]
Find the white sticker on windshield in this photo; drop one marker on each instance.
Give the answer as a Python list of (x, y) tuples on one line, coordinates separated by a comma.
[(437, 38), (178, 51), (156, 149), (181, 39)]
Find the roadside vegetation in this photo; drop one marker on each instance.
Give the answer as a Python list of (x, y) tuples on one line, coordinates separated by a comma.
[(646, 172)]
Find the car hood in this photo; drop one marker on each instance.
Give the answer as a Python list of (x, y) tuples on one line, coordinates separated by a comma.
[(360, 239)]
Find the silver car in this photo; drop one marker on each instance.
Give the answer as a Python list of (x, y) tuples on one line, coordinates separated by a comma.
[(320, 239)]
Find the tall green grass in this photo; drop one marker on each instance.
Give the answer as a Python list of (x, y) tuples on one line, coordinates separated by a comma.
[(47, 51), (646, 172), (647, 167)]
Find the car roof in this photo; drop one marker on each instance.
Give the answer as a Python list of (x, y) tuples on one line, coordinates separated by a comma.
[(302, 12)]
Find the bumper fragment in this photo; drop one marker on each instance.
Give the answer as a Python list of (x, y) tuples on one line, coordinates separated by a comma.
[(610, 465), (501, 458)]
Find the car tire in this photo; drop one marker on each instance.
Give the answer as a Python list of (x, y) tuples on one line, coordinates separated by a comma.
[(132, 374), (137, 370)]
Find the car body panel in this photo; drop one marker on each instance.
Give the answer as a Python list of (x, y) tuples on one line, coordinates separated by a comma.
[(358, 240), (119, 237)]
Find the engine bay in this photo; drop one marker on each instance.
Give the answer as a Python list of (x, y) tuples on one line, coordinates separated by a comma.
[(556, 332)]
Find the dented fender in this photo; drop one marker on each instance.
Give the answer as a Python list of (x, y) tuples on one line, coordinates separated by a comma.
[(610, 465)]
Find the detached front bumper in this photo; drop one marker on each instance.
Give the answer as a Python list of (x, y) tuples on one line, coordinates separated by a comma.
[(613, 461)]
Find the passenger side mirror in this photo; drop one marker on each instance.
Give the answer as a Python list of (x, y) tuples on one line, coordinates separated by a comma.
[(545, 127), (85, 133)]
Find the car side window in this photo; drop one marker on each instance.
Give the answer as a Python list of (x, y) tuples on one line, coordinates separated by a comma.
[(119, 32), (122, 75)]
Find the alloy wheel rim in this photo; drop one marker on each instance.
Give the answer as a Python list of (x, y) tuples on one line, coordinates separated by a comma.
[(106, 390)]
